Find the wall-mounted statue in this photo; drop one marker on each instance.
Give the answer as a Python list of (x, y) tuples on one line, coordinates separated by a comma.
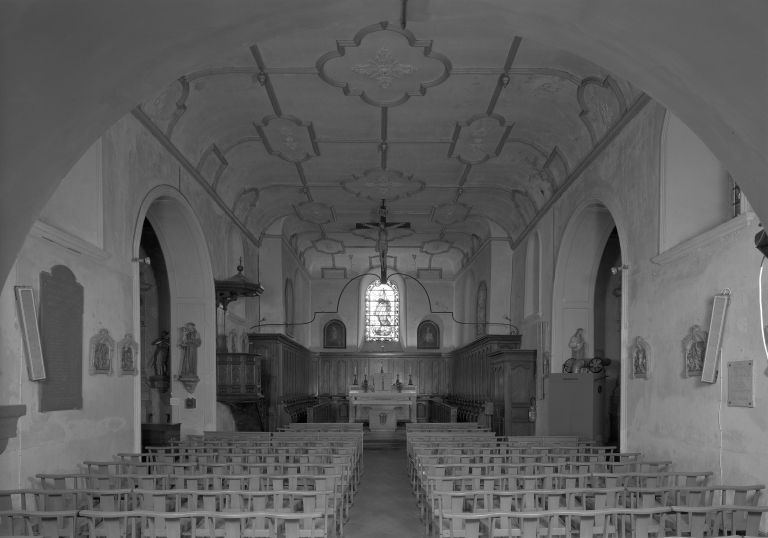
[(128, 351), (189, 341), (640, 353), (102, 352), (578, 345)]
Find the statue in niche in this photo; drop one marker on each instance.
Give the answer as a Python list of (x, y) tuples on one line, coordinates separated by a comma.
[(189, 341), (102, 351), (159, 360), (578, 345), (694, 348), (640, 352)]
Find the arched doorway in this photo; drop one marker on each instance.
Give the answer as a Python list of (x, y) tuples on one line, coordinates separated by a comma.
[(190, 279), (579, 275)]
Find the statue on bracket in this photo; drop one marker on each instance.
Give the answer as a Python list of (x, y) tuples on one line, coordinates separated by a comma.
[(128, 351), (102, 352), (578, 345), (640, 352), (694, 348), (159, 363), (189, 341)]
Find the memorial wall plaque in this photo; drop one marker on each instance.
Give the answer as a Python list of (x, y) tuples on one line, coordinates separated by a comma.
[(61, 329), (741, 384)]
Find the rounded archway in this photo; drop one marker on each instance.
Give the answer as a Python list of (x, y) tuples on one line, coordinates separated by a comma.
[(576, 273), (192, 300)]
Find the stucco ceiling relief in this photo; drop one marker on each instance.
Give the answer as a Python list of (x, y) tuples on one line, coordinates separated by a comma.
[(328, 246), (479, 138), (378, 184), (288, 138), (439, 246), (168, 105), (447, 214), (315, 212), (602, 105), (384, 65)]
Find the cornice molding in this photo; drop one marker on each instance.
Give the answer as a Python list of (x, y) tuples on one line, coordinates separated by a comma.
[(725, 230), (74, 244)]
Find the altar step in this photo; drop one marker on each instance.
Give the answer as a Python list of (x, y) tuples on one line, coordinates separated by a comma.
[(379, 440)]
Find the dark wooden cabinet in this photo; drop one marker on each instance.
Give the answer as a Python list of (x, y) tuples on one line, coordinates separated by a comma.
[(158, 434)]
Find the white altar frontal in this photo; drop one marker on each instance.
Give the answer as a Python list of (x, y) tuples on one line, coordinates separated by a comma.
[(382, 406)]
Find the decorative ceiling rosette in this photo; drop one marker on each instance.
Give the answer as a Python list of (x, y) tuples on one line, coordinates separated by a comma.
[(288, 138), (315, 212), (449, 213), (384, 65), (328, 246), (436, 246), (479, 138), (377, 184)]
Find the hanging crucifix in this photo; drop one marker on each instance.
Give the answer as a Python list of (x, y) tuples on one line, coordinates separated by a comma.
[(382, 227)]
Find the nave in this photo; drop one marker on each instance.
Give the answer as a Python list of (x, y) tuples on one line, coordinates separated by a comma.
[(307, 481)]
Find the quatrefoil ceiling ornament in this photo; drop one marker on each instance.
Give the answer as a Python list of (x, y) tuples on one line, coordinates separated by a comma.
[(479, 138), (384, 65), (449, 213), (288, 138), (315, 212), (377, 184)]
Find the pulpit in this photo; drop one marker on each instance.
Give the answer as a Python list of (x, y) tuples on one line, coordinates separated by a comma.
[(382, 405)]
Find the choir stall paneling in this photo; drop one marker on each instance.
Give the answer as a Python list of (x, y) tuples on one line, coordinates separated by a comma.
[(286, 377)]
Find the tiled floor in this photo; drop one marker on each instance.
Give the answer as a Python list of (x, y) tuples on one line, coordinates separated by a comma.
[(384, 506)]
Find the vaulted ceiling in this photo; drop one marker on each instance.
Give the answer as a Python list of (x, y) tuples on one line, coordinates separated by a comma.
[(466, 133)]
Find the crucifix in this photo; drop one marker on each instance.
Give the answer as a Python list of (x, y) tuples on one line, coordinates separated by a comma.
[(382, 242)]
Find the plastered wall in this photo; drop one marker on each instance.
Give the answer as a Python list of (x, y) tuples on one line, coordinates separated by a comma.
[(667, 416), (98, 204)]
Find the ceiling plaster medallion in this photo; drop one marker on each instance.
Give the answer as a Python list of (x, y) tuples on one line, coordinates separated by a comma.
[(288, 138), (449, 213), (436, 246), (389, 65), (475, 144), (328, 246), (377, 184), (315, 212)]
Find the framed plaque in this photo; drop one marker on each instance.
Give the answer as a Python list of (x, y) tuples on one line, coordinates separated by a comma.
[(30, 333)]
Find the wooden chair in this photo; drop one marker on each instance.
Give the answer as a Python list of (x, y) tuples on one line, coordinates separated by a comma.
[(53, 524), (723, 520)]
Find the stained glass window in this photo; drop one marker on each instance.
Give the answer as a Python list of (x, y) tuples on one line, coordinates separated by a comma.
[(382, 312)]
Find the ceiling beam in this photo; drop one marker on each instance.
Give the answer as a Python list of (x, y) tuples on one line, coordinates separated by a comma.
[(150, 126)]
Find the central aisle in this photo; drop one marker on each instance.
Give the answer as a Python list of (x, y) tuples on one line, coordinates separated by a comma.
[(384, 505)]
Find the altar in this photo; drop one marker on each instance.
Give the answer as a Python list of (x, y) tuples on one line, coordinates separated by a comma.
[(382, 405)]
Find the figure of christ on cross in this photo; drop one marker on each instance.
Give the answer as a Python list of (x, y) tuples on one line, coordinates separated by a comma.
[(382, 244)]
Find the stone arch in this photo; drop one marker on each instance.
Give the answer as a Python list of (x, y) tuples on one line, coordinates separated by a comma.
[(581, 250), (190, 276)]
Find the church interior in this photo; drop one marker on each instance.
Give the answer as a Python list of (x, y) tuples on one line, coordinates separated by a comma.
[(239, 217)]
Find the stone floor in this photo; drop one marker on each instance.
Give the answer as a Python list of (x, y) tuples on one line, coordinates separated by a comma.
[(384, 506)]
